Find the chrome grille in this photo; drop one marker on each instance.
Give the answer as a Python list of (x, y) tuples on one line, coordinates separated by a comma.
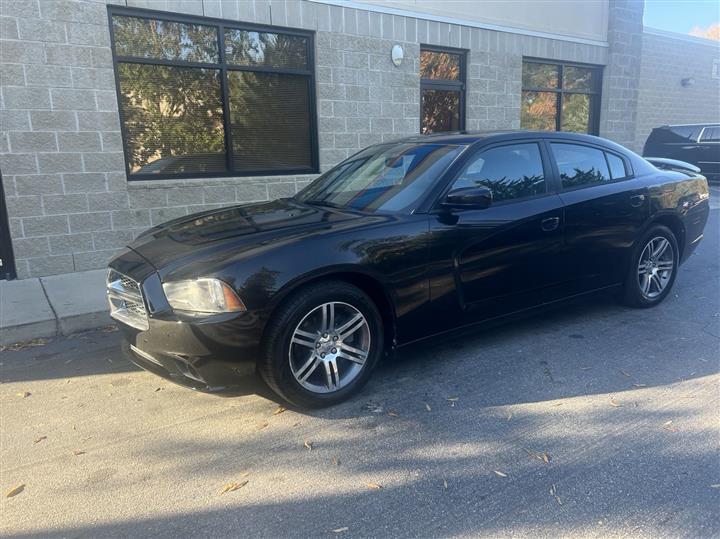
[(126, 301)]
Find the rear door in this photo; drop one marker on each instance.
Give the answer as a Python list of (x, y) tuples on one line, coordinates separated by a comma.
[(7, 266), (492, 261), (709, 152), (605, 207)]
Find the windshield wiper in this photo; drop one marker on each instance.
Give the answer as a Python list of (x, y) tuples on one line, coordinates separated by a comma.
[(322, 203)]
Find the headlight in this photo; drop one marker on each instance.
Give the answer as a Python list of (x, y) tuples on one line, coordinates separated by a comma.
[(203, 296)]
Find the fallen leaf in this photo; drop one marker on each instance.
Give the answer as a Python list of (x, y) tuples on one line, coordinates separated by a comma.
[(17, 489), (374, 486), (427, 407), (509, 416), (613, 403), (109, 329), (553, 489), (625, 373), (668, 423), (716, 485), (501, 474), (38, 440), (78, 452), (393, 413), (445, 485), (262, 425), (230, 487), (279, 410), (558, 404), (453, 399), (24, 394), (340, 530), (159, 389), (335, 461), (308, 444), (640, 385), (544, 457)]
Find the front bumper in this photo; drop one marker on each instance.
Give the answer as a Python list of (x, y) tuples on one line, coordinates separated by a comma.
[(211, 353)]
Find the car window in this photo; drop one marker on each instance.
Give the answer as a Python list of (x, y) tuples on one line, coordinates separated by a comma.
[(683, 133), (711, 134), (580, 165), (513, 171), (617, 166)]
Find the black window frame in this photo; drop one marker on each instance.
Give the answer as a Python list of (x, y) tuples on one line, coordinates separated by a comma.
[(595, 93), (224, 69), (449, 85)]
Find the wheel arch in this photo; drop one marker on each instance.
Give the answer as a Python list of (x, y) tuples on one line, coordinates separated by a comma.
[(369, 284), (675, 224)]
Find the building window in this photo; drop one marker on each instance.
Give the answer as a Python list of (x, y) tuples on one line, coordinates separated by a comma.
[(442, 90), (200, 97), (560, 97)]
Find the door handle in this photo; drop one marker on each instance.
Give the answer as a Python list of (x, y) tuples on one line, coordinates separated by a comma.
[(637, 200), (550, 224)]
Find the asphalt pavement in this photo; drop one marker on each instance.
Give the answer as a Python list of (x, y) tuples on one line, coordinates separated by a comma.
[(594, 420)]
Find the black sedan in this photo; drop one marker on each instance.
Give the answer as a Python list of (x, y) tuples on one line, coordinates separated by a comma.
[(401, 242)]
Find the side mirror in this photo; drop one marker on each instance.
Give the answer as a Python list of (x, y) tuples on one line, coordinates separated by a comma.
[(469, 197)]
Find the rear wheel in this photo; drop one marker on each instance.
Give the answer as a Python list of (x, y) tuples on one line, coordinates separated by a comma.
[(653, 268), (322, 344)]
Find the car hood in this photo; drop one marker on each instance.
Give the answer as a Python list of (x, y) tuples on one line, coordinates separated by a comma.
[(238, 228)]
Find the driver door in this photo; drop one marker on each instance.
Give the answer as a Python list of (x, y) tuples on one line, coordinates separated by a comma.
[(506, 257)]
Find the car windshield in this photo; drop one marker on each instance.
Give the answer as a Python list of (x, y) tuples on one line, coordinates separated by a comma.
[(384, 178)]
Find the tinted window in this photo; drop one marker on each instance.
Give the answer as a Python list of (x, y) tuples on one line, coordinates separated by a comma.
[(439, 65), (711, 134), (682, 133), (617, 166), (173, 119), (248, 114), (391, 177), (559, 97), (441, 91), (513, 171), (154, 38), (440, 110), (269, 118), (580, 165), (244, 47)]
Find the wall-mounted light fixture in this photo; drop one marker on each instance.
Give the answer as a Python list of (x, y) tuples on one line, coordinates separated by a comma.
[(397, 54), (687, 82)]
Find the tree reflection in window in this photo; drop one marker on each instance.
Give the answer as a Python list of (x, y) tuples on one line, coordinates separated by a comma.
[(580, 165), (173, 118), (243, 47), (510, 172), (168, 40)]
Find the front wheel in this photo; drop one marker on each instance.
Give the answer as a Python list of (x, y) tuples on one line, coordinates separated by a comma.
[(653, 268), (322, 345)]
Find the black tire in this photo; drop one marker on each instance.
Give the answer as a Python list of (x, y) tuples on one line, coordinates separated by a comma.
[(274, 363), (633, 294)]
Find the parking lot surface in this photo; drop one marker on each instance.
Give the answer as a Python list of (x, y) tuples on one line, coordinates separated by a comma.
[(594, 420)]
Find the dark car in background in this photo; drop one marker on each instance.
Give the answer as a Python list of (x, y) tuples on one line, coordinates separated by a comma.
[(697, 144), (403, 241)]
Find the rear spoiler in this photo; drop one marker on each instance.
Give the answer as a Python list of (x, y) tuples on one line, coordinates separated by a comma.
[(672, 164)]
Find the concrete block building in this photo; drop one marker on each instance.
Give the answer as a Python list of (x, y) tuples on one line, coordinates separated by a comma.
[(116, 115)]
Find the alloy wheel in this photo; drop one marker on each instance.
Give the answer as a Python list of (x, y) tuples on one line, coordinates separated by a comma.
[(655, 267), (329, 347)]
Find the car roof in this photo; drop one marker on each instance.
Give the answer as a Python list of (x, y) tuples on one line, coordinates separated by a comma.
[(668, 126), (471, 137)]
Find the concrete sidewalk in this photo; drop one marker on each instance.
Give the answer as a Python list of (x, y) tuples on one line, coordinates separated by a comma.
[(55, 305)]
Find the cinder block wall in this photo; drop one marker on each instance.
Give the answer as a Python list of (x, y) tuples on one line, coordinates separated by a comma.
[(666, 60), (69, 202)]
